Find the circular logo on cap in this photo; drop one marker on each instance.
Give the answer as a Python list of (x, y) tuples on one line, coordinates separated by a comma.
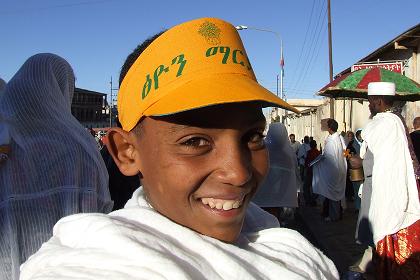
[(211, 32)]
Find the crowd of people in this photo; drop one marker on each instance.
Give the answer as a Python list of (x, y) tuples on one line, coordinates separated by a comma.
[(187, 186), (376, 168)]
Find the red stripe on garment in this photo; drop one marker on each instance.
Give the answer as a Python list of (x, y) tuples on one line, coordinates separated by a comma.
[(373, 75)]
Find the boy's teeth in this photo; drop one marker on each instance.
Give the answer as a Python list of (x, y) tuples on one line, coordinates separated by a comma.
[(228, 205), (221, 203), (211, 203), (236, 204)]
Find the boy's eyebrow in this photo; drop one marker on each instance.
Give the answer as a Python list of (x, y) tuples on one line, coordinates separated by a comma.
[(174, 128), (177, 127)]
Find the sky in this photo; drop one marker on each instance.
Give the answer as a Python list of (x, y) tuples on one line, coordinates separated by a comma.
[(95, 36)]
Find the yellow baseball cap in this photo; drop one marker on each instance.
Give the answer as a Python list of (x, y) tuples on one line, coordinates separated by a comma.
[(192, 65)]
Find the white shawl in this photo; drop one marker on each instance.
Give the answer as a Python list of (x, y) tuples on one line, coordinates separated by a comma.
[(329, 174), (139, 243), (54, 168), (279, 188), (394, 202)]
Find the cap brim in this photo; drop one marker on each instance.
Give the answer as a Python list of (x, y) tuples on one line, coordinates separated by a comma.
[(212, 90)]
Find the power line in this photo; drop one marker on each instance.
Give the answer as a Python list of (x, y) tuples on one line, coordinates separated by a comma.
[(304, 41), (310, 50), (314, 46)]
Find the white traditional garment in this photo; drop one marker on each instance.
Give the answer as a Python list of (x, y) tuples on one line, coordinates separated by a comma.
[(139, 243), (302, 153), (54, 168), (329, 174), (295, 146), (279, 188), (394, 203)]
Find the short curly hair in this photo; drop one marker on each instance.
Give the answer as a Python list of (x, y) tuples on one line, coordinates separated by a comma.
[(132, 57), (332, 124)]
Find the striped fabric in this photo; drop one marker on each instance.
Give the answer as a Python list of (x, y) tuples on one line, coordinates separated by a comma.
[(54, 168)]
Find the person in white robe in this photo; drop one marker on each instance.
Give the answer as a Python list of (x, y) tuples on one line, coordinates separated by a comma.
[(389, 220), (295, 144), (329, 173), (278, 191), (394, 207), (53, 168)]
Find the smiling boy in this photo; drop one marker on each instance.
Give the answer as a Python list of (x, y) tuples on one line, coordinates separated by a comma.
[(192, 130)]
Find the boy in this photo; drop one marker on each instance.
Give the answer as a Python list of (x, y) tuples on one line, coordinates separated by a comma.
[(192, 130)]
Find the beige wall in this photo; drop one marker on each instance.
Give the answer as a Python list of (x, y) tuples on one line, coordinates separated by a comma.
[(350, 115)]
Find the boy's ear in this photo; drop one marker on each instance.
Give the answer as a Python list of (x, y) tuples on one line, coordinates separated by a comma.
[(121, 146)]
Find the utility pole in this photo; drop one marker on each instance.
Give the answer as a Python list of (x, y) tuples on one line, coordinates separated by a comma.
[(330, 56), (111, 103)]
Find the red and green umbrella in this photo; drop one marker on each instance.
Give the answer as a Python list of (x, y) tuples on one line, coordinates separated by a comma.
[(355, 84)]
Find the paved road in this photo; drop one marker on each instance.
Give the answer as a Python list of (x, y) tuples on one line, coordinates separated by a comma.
[(335, 239)]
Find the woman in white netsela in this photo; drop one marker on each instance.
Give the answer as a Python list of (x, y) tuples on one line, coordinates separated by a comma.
[(53, 169)]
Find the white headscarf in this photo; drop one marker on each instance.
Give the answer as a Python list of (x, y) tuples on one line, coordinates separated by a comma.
[(279, 188), (54, 168)]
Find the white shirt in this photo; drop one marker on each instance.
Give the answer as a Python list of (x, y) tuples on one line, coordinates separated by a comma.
[(139, 243)]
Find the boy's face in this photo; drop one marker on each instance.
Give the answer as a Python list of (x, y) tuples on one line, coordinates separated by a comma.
[(196, 162)]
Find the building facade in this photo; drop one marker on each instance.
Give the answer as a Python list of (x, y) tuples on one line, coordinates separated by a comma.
[(89, 108)]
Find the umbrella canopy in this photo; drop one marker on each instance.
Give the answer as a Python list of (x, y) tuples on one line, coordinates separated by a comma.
[(355, 84)]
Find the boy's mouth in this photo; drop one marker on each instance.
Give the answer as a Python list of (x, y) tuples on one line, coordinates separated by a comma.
[(222, 204)]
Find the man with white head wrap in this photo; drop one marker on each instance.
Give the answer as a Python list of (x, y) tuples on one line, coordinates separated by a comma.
[(390, 210), (54, 168)]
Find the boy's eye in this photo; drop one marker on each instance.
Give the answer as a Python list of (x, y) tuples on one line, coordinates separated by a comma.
[(196, 142)]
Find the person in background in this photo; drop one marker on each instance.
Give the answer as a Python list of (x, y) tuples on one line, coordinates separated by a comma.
[(54, 168), (278, 192), (329, 174), (359, 138), (295, 144), (352, 188), (301, 156), (192, 130), (415, 137), (313, 153), (390, 202)]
